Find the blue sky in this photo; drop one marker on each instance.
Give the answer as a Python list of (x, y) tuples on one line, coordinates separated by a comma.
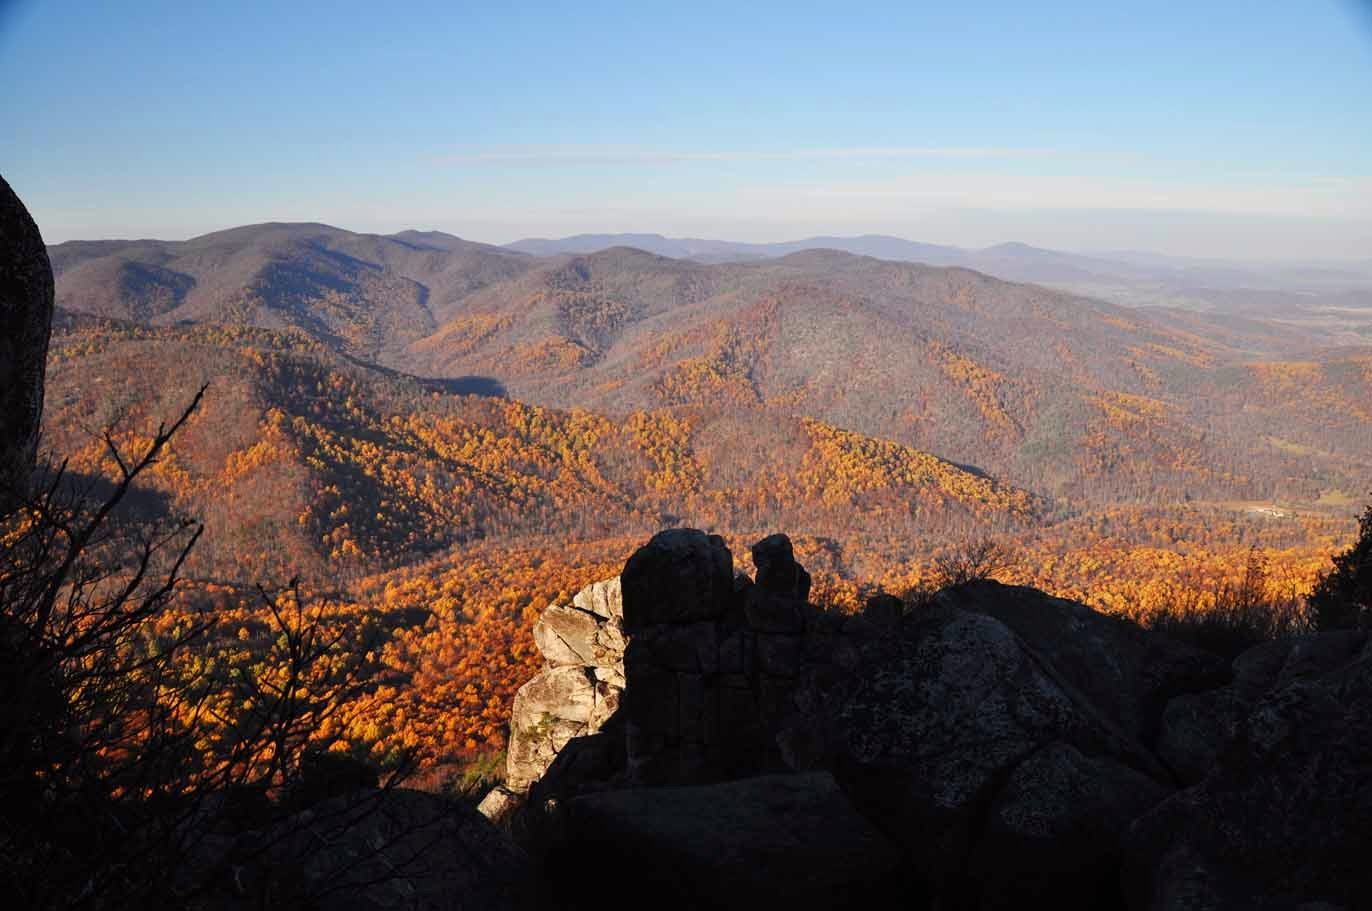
[(1211, 128)]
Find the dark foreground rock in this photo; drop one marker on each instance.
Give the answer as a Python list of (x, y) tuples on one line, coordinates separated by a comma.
[(1283, 818), (1197, 726), (777, 841), (996, 748), (993, 774), (373, 851), (1128, 674), (26, 301)]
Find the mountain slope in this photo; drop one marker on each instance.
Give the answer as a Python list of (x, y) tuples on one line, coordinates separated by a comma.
[(302, 460), (364, 294), (1063, 394)]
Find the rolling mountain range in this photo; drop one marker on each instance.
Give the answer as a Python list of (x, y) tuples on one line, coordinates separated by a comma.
[(1068, 397), (440, 438), (1123, 277)]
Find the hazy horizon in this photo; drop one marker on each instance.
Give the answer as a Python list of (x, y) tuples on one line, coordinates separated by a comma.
[(1102, 252)]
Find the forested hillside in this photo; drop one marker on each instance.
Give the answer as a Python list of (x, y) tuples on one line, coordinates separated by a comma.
[(434, 525), (1061, 395)]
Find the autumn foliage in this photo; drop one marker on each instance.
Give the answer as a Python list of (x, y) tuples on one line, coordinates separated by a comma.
[(429, 529)]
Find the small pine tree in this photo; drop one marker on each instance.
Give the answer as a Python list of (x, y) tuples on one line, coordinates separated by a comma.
[(1342, 598)]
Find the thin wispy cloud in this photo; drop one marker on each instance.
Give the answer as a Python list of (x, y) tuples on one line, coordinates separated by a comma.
[(1326, 196), (583, 155)]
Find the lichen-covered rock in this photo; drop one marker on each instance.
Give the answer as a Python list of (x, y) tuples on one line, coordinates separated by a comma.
[(1197, 726), (1126, 673), (679, 576), (26, 302), (933, 733), (1285, 813), (1054, 831)]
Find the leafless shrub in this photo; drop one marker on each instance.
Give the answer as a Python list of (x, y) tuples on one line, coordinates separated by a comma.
[(130, 752), (974, 561), (1228, 616)]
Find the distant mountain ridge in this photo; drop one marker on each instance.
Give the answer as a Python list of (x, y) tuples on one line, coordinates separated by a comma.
[(879, 246), (368, 294), (1127, 277)]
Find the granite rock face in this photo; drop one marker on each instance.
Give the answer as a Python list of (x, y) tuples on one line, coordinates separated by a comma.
[(26, 304), (575, 695)]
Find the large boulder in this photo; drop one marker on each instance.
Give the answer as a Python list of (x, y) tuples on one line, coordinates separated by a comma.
[(1127, 673), (1053, 831), (1197, 726), (779, 841), (1284, 815), (679, 576), (26, 302), (956, 716)]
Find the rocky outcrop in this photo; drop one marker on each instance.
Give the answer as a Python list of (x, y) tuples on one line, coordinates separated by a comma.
[(1008, 746), (1195, 727), (574, 696), (1283, 813), (26, 303), (964, 743), (717, 663)]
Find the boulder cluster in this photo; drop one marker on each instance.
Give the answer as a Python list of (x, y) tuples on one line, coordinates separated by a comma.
[(727, 742)]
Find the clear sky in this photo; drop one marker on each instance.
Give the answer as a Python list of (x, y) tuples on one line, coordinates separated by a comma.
[(1218, 128)]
